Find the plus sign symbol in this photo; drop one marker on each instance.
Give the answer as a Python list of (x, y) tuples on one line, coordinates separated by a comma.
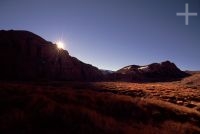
[(186, 14)]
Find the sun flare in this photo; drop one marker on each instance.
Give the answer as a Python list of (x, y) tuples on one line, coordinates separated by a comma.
[(60, 44)]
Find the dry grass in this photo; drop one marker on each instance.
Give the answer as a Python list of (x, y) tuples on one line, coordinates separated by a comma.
[(105, 107)]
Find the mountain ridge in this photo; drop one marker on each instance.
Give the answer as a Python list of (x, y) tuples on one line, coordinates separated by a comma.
[(155, 72), (27, 56)]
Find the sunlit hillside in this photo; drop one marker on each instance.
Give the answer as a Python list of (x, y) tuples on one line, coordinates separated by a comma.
[(103, 107)]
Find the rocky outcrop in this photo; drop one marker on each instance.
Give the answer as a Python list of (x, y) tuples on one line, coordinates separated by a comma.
[(164, 71), (26, 56)]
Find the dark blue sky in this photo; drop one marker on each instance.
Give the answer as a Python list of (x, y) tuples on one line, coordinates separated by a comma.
[(111, 34)]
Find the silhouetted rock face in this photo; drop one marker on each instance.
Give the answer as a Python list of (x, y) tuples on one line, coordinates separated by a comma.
[(26, 56), (165, 71)]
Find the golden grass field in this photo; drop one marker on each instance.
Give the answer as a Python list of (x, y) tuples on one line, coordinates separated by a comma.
[(101, 107)]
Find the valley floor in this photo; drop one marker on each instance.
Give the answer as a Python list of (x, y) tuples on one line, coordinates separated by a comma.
[(101, 108)]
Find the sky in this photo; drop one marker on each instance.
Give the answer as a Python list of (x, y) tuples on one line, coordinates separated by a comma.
[(111, 34)]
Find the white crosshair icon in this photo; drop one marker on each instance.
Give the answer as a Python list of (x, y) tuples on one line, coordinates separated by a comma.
[(186, 14)]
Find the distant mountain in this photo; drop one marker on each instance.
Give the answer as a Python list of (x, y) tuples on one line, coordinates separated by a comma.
[(106, 72), (26, 56), (192, 72), (164, 71)]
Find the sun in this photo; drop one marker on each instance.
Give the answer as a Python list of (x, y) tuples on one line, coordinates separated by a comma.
[(60, 44)]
